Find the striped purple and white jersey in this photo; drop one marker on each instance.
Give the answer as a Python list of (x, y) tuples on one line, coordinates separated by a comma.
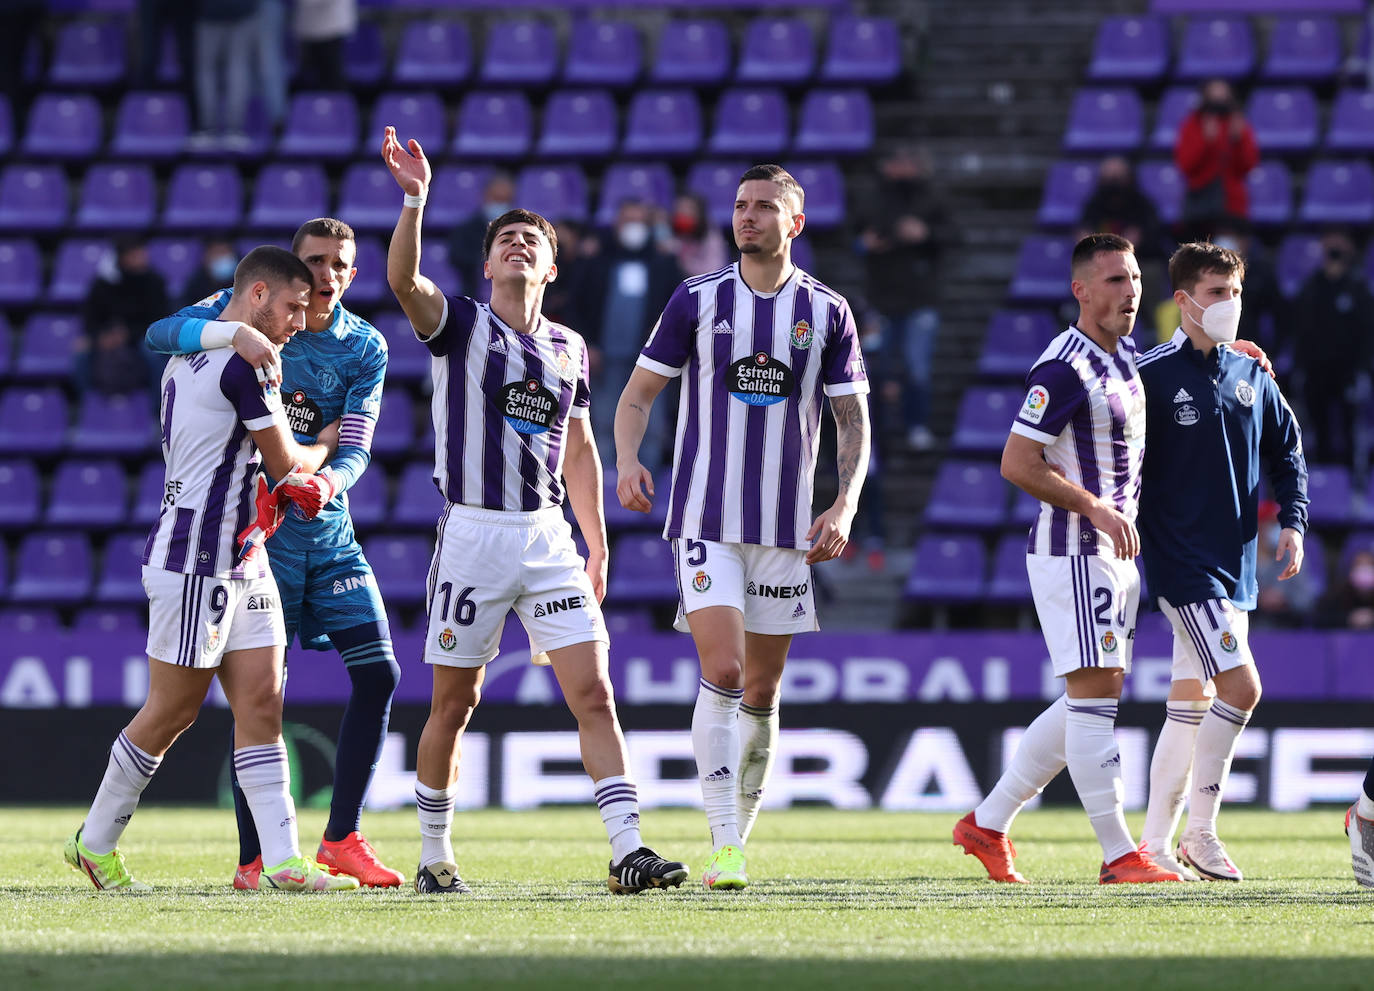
[(1088, 408), (501, 405), (748, 426), (210, 402)]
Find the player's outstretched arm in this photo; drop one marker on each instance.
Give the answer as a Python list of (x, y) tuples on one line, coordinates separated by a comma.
[(582, 475), (829, 534), (419, 297), (634, 485)]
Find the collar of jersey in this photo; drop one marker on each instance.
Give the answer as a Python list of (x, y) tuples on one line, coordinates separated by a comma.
[(538, 327), (1094, 345), (767, 295)]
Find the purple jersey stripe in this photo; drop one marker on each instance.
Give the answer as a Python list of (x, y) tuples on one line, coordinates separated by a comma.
[(493, 430), (211, 521), (792, 453), (181, 535), (755, 423), (722, 347), (532, 474), (455, 426), (1059, 530), (240, 524)]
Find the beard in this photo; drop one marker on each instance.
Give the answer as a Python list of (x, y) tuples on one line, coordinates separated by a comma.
[(750, 248)]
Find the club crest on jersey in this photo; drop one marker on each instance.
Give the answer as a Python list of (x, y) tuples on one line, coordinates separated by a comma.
[(1109, 642), (447, 640), (802, 335), (1228, 642), (302, 414), (1245, 394), (564, 362), (1186, 415), (327, 380), (1037, 400), (701, 581), (527, 406), (211, 637), (759, 380)]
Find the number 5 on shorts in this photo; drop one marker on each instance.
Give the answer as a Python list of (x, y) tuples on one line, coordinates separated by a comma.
[(464, 609)]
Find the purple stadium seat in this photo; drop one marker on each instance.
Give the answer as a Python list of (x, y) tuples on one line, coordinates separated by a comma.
[(824, 185), (365, 55), (1174, 104), (27, 620), (47, 346), (1271, 193), (717, 183), (1352, 122), (114, 618), (1338, 193), (750, 122), (1359, 540), (150, 125), (777, 50), (1298, 256), (87, 494), (558, 192), (4, 576), (603, 53), (1130, 50), (438, 268), (401, 565), (117, 198), (1024, 508), (650, 183), (1042, 269), (414, 115), (1105, 120), (176, 258), (946, 568), (862, 50), (664, 123), (691, 53), (985, 415), (367, 197), (967, 494), (494, 125), (205, 198), (519, 53), (74, 268), (367, 499), (395, 433), (578, 124), (63, 126), (369, 287), (1221, 47), (642, 570), (1014, 339), (148, 492), (455, 194), (1284, 119), (835, 121), (285, 195), (407, 360), (6, 125), (120, 424), (433, 53), (1332, 494), (1303, 48), (1067, 188), (88, 54), (56, 569), (1163, 184), (20, 272), (418, 502), (320, 125), (1009, 582), (33, 198), (618, 518), (19, 494)]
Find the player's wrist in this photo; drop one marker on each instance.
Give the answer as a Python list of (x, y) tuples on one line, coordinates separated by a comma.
[(219, 334), (415, 200)]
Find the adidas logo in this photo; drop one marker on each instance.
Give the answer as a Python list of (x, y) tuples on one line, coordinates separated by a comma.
[(754, 796), (498, 344), (1114, 762), (722, 327), (720, 774), (1210, 789), (630, 820), (124, 820), (1182, 396), (799, 612)]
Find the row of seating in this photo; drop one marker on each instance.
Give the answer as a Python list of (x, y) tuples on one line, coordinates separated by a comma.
[(525, 53)]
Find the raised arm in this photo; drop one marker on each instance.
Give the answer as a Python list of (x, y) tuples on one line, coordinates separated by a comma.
[(420, 298), (633, 480), (829, 534), (582, 475)]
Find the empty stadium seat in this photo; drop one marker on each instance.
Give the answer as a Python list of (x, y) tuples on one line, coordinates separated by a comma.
[(27, 620), (1175, 104), (1306, 49), (63, 125), (395, 432), (519, 53), (407, 359), (1332, 495), (120, 424), (578, 124), (1338, 193), (1105, 120), (364, 60), (641, 570), (320, 125), (664, 123), (603, 53), (691, 53), (1164, 185), (117, 198), (1014, 340), (204, 198), (835, 122), (985, 415), (777, 50), (1130, 49), (47, 346), (862, 50), (494, 124), (151, 125), (1217, 47), (1042, 269), (20, 492), (74, 267), (32, 198), (947, 568), (367, 499), (401, 564), (148, 492), (825, 200), (57, 569), (1352, 122), (113, 618), (418, 502), (1009, 582), (175, 258), (284, 194), (455, 194), (619, 519), (88, 54), (1067, 188), (367, 197), (414, 115), (717, 183), (433, 53), (1298, 256), (648, 183), (21, 270), (1284, 119), (750, 122), (967, 494), (558, 192), (1271, 193), (87, 494)]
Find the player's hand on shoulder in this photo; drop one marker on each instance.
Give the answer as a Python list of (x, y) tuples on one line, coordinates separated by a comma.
[(407, 163), (634, 487), (252, 346), (1125, 537), (1253, 350)]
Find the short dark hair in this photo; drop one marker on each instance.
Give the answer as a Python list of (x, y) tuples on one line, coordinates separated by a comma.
[(1198, 258), (518, 216), (329, 227), (1092, 245), (275, 266), (787, 185)]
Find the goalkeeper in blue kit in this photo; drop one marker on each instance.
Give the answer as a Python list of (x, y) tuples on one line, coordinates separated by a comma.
[(333, 371)]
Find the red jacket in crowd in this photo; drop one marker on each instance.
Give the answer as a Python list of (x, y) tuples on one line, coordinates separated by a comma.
[(1230, 152)]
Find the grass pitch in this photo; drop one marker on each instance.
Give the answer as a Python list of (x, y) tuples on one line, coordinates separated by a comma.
[(839, 899)]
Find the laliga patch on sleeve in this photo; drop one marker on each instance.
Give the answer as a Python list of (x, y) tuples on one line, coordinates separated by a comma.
[(1033, 409)]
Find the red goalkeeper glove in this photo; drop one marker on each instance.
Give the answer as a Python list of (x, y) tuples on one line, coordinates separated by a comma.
[(310, 493), (271, 506)]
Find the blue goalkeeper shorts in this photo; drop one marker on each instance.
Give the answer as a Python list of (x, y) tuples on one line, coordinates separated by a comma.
[(324, 590)]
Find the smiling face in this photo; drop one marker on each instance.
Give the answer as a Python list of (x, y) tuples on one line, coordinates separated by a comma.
[(765, 218), (520, 252), (1107, 288), (331, 262)]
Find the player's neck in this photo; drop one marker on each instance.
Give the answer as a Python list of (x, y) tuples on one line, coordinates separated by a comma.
[(1198, 337), (1094, 333), (766, 274), (316, 323), (518, 306)]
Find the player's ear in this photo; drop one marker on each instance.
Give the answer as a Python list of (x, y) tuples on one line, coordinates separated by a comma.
[(486, 269), (1079, 288), (551, 274), (798, 222)]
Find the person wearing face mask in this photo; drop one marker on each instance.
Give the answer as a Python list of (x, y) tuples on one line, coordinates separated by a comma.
[(217, 263), (498, 197), (125, 297), (698, 245), (1214, 151), (1215, 420)]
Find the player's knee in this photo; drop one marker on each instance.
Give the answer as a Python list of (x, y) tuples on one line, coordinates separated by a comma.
[(453, 709), (723, 670), (594, 702), (377, 679)]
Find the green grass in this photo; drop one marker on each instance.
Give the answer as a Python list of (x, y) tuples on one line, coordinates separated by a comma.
[(839, 899)]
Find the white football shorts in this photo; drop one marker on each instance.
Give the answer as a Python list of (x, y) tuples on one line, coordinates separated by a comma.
[(771, 586), (1209, 637), (1087, 607), (488, 562), (194, 620)]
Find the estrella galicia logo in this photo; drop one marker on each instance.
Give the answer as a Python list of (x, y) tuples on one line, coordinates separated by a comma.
[(1186, 415), (759, 380), (528, 406), (302, 413)]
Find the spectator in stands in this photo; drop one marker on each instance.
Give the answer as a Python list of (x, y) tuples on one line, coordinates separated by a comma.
[(1350, 604), (902, 240), (322, 26), (155, 17), (1263, 317), (19, 24), (466, 239), (1119, 206), (699, 246), (272, 59), (564, 297), (217, 263), (1215, 150), (1281, 603), (1333, 320), (127, 296), (226, 40)]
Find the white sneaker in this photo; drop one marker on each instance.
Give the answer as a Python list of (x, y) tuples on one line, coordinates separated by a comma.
[(1361, 833), (1206, 854), (1170, 863)]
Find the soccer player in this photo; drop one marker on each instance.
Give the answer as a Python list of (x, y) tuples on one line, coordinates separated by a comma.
[(1076, 445), (212, 608), (329, 595), (512, 441), (761, 343), (1216, 422)]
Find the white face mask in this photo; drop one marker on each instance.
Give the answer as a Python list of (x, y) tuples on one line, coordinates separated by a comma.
[(1221, 320), (634, 234)]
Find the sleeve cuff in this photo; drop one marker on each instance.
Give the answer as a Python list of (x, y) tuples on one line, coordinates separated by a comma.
[(658, 367), (262, 422), (579, 412), (847, 389), (1020, 428), (443, 319)]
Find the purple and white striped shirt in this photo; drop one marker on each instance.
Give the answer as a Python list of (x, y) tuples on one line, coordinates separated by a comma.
[(501, 405), (210, 402), (1088, 408), (748, 426)]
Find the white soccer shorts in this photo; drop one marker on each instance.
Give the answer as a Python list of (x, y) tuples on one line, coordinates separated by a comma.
[(488, 562), (194, 620), (771, 586), (1087, 607), (1209, 637)]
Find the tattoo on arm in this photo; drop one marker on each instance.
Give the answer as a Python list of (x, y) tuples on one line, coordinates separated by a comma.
[(851, 441)]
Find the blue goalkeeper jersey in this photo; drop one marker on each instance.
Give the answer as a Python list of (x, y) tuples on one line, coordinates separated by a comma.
[(334, 374)]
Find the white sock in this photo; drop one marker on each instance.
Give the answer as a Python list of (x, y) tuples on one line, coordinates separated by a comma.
[(758, 746), (1039, 757), (618, 800), (1095, 766), (1216, 745), (435, 806), (265, 777), (126, 775), (715, 743), (1171, 768)]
